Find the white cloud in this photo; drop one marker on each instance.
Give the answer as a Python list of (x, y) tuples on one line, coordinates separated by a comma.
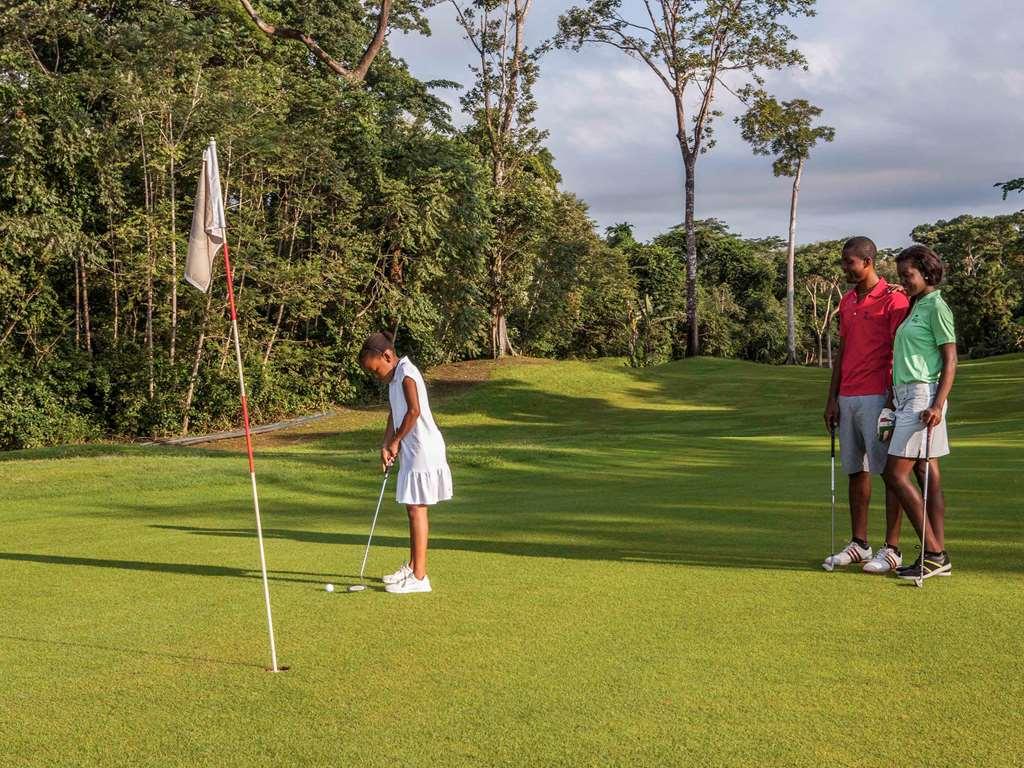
[(927, 99)]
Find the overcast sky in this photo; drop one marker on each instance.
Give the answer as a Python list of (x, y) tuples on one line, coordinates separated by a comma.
[(927, 98)]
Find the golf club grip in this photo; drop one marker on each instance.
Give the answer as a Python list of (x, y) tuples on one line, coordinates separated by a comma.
[(832, 432)]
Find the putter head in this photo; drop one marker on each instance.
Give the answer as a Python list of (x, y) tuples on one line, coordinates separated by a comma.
[(919, 582), (357, 588)]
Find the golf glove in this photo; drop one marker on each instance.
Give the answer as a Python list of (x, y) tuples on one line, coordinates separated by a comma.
[(886, 424)]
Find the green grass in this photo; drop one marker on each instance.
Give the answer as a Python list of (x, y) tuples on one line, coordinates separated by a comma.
[(628, 576)]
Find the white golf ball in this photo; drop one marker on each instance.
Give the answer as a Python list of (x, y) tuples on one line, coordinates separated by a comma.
[(329, 587)]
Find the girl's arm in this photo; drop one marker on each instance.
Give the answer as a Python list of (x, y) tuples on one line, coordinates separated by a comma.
[(386, 457), (932, 416), (412, 401)]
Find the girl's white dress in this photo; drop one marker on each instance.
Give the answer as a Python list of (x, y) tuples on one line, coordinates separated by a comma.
[(423, 474)]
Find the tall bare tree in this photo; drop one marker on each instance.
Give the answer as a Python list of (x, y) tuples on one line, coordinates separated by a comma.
[(501, 100), (694, 48), (785, 130)]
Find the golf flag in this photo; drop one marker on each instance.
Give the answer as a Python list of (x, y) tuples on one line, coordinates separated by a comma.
[(207, 239), (208, 224)]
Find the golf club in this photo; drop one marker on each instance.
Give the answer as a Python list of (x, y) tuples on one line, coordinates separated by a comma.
[(832, 544), (833, 484), (362, 570), (924, 509)]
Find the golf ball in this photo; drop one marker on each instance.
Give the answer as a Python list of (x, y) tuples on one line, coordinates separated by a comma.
[(329, 587)]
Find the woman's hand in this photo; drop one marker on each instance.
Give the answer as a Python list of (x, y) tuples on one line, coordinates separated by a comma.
[(931, 417)]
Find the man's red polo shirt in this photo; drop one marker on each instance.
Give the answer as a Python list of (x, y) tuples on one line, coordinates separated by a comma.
[(868, 327)]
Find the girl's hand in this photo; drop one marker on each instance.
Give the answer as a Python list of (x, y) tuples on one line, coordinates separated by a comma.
[(386, 457), (393, 447), (931, 417)]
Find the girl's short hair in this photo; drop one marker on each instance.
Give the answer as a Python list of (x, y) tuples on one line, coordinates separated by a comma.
[(377, 344), (925, 261)]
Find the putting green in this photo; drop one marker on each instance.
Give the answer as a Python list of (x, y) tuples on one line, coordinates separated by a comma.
[(628, 576)]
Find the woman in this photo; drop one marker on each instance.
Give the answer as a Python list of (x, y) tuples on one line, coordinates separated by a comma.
[(924, 366)]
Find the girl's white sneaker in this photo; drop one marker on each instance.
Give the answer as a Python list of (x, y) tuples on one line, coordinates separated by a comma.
[(397, 576), (409, 585)]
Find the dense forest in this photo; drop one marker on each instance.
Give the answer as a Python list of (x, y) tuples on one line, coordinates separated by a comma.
[(354, 203)]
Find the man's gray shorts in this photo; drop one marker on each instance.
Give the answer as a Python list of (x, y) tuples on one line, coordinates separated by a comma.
[(860, 450)]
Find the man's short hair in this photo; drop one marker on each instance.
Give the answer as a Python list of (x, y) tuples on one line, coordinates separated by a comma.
[(862, 247)]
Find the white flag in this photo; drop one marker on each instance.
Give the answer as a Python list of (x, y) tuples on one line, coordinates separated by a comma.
[(208, 224)]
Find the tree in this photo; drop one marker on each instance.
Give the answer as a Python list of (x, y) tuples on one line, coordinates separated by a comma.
[(785, 131), (502, 106), (692, 46), (984, 284), (1013, 185), (354, 74)]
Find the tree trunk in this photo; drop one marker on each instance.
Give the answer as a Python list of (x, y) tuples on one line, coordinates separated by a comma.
[(500, 343), (195, 363), (149, 312), (791, 269), (174, 258), (273, 336), (828, 345), (78, 307), (113, 272), (693, 332), (85, 305)]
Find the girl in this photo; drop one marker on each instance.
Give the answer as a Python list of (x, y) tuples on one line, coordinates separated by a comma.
[(414, 440), (924, 366)]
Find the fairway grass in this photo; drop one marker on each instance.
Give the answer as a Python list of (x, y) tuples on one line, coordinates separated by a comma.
[(629, 576)]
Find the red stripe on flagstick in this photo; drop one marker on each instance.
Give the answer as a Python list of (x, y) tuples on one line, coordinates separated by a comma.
[(234, 320)]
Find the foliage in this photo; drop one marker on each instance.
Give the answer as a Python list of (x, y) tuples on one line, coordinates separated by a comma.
[(984, 284)]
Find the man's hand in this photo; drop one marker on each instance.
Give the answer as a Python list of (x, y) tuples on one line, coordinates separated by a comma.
[(931, 417), (831, 414)]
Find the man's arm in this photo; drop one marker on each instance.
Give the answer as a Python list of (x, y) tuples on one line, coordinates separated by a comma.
[(832, 404)]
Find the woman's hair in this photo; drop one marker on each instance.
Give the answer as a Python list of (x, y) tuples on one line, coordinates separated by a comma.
[(377, 344), (925, 261)]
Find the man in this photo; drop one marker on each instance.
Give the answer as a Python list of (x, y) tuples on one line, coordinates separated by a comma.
[(869, 315)]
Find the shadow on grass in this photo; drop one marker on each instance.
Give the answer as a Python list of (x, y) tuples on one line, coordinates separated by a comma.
[(188, 569), (638, 554), (129, 651)]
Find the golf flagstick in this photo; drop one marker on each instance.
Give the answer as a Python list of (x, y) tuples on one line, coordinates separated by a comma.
[(924, 509), (208, 235), (249, 450)]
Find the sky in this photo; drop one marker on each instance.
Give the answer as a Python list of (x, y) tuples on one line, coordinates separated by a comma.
[(926, 96)]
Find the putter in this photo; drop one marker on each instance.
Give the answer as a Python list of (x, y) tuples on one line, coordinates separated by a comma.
[(832, 543), (362, 570), (924, 517), (833, 483)]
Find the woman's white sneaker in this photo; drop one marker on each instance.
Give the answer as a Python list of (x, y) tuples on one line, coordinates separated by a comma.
[(886, 560), (409, 585), (397, 576)]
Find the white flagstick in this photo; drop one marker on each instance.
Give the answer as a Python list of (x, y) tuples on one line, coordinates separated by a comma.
[(248, 446)]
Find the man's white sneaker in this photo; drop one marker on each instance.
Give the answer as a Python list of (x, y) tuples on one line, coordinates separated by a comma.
[(886, 560), (409, 585), (851, 553), (397, 576)]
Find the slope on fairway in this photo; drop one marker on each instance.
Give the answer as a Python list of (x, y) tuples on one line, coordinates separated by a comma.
[(629, 575)]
